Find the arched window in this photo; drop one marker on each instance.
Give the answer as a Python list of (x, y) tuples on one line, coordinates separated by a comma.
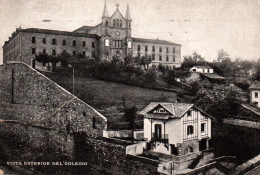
[(190, 130), (117, 22), (114, 22), (106, 22), (138, 48), (190, 149), (120, 23), (129, 44), (106, 42)]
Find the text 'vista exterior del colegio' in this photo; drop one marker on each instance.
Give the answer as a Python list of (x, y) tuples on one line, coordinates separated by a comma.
[(111, 38)]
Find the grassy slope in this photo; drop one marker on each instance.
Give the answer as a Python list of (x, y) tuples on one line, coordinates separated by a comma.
[(107, 97)]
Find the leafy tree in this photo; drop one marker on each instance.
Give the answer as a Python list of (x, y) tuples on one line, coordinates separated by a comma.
[(219, 100), (191, 60), (150, 77), (64, 57), (170, 76), (222, 55), (43, 58), (130, 116)]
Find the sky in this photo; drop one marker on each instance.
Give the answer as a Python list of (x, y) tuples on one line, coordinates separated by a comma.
[(204, 26)]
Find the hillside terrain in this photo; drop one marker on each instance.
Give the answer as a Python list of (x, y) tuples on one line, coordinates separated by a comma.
[(110, 98)]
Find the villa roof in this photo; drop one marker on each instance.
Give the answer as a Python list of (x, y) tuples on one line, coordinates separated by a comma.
[(155, 41), (84, 28), (176, 109), (255, 85)]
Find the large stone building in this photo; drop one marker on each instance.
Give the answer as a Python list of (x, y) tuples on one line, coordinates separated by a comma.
[(112, 37)]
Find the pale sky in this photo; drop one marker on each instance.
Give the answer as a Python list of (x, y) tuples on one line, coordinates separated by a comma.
[(204, 26)]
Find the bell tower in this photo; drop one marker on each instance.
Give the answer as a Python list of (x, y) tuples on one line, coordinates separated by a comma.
[(128, 31), (105, 39)]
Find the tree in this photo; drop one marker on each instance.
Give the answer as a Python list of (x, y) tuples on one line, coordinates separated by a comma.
[(222, 55), (150, 77), (219, 100), (64, 57), (43, 58), (191, 60), (130, 116)]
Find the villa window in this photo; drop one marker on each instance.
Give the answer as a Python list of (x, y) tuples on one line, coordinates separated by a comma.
[(93, 54), (189, 113), (173, 59), (84, 44), (33, 40), (153, 48), (120, 23), (93, 44), (106, 22), (167, 58), (173, 50), (167, 49), (146, 48), (44, 40), (160, 57), (84, 53), (190, 130), (202, 127), (129, 44), (43, 51), (160, 49), (74, 53), (117, 22), (256, 94), (114, 22)]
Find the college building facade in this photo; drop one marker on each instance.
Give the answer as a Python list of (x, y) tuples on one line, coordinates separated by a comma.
[(112, 37)]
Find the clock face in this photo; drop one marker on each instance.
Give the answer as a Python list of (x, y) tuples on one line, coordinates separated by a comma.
[(117, 33)]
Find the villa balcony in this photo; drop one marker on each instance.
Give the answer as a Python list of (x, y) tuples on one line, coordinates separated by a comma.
[(160, 137)]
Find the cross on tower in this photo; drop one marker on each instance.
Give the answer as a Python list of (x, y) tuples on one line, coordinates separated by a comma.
[(117, 5)]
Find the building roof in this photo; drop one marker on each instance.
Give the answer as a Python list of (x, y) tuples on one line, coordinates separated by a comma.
[(255, 85), (248, 112), (153, 41), (213, 76), (176, 109), (203, 67), (57, 32), (84, 28)]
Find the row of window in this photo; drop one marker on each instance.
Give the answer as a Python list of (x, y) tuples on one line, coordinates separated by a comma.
[(190, 129), (153, 49), (160, 57), (74, 53), (117, 22), (117, 43), (64, 42)]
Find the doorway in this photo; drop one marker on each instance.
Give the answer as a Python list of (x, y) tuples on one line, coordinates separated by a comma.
[(158, 131)]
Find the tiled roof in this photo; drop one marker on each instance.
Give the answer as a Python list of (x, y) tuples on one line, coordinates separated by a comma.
[(213, 76), (57, 32), (255, 85), (177, 109), (84, 28), (153, 41)]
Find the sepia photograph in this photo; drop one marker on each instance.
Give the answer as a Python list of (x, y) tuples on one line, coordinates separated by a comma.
[(130, 87)]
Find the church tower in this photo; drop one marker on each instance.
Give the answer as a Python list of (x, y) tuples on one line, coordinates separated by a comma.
[(128, 31), (105, 40)]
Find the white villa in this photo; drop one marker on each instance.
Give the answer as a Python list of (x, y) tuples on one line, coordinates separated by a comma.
[(176, 128), (202, 69), (255, 94)]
